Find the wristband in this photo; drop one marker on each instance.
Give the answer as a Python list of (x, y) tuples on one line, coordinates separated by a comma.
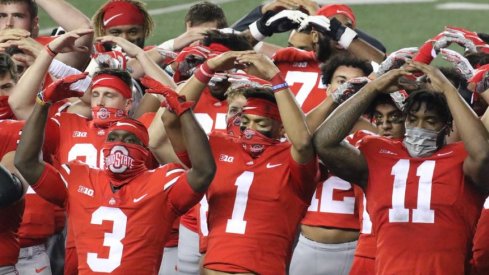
[(347, 37), (204, 73), (50, 52), (257, 35), (39, 99), (278, 83)]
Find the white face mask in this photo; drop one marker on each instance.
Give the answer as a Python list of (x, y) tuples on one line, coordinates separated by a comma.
[(421, 142)]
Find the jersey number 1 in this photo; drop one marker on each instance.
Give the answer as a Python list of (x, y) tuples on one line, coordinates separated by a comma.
[(237, 224), (422, 213)]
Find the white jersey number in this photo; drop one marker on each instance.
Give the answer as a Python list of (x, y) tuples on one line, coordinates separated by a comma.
[(112, 240), (89, 152), (328, 204), (422, 213), (237, 224), (208, 124), (308, 80)]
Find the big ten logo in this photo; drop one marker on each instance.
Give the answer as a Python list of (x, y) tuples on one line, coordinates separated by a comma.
[(226, 158)]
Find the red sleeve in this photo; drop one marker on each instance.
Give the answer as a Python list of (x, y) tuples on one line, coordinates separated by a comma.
[(10, 136), (306, 175), (181, 196), (480, 251), (50, 186)]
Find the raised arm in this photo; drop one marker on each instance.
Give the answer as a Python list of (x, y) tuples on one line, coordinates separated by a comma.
[(346, 37), (472, 132), (340, 157), (45, 180), (70, 18), (149, 67), (194, 137), (293, 118), (23, 96)]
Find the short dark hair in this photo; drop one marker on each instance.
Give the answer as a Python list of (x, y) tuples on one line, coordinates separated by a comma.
[(459, 82), (262, 93), (123, 75), (234, 42), (204, 12), (343, 59), (31, 4), (434, 101), (7, 66), (380, 99), (477, 59)]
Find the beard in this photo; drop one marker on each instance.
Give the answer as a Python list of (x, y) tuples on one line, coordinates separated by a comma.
[(324, 48), (139, 42)]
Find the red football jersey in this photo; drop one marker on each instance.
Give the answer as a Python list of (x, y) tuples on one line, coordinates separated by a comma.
[(121, 232), (480, 251), (303, 76), (335, 203), (423, 212), (255, 206), (10, 217), (367, 242), (38, 221), (210, 112)]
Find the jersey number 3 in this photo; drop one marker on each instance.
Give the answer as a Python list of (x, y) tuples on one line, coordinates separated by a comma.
[(111, 239), (422, 213)]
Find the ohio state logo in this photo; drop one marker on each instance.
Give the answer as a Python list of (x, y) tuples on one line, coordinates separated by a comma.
[(257, 148), (118, 160), (248, 134), (103, 113), (119, 113)]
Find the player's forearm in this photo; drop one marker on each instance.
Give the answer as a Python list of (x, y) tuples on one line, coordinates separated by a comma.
[(472, 132), (64, 14), (192, 89), (22, 98), (27, 158), (199, 152), (339, 124), (293, 120), (315, 117), (364, 50), (152, 69), (70, 18), (136, 69)]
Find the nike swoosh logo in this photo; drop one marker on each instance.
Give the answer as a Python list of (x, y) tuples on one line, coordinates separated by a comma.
[(140, 198), (269, 165), (39, 270), (444, 154), (111, 18)]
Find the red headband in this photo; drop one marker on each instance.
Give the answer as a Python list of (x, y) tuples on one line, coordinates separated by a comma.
[(118, 13), (111, 81), (132, 126), (332, 10), (262, 107)]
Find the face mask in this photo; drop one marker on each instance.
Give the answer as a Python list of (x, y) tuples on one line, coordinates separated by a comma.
[(5, 110), (232, 126), (421, 142), (103, 117), (255, 143), (124, 161)]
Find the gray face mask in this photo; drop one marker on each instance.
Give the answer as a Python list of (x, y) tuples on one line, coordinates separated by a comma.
[(421, 142)]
